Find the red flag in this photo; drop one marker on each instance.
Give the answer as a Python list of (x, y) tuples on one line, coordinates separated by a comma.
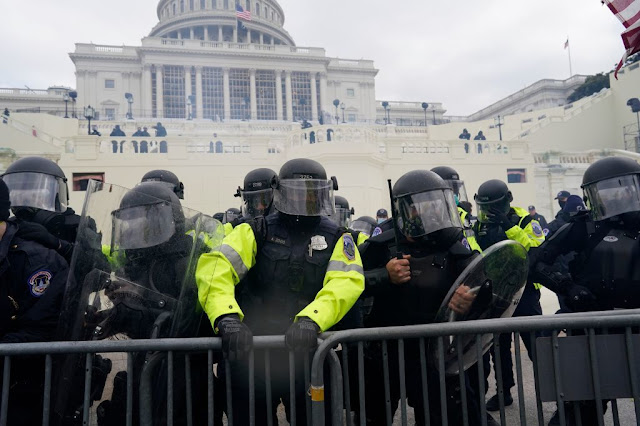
[(628, 12)]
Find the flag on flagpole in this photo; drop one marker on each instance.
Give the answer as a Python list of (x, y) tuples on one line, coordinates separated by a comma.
[(628, 12), (242, 14), (566, 44)]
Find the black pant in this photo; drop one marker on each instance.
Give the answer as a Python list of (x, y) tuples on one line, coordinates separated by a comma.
[(26, 390)]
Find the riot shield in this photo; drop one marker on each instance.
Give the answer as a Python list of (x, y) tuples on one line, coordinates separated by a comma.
[(132, 276), (496, 279)]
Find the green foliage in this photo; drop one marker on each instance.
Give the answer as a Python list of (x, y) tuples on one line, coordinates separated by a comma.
[(593, 84)]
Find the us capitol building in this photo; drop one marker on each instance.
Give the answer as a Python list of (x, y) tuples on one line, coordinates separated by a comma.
[(233, 93)]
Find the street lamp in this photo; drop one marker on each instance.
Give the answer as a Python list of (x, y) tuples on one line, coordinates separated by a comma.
[(424, 107), (89, 113), (336, 103), (74, 96), (129, 98), (387, 115), (66, 99), (499, 123), (434, 115), (342, 107)]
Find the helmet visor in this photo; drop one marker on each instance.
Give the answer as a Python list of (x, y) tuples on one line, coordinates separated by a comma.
[(484, 208), (459, 190), (304, 197), (37, 190), (176, 189), (142, 227), (362, 226), (256, 203), (427, 212), (613, 197), (230, 216), (342, 217)]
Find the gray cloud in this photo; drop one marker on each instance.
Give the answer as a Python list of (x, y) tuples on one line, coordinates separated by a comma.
[(466, 54)]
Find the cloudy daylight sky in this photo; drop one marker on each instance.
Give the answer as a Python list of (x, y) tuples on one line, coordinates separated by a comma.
[(464, 53)]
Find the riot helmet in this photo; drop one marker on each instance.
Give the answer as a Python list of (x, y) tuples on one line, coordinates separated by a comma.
[(453, 178), (364, 224), (168, 178), (612, 187), (231, 214), (37, 183), (424, 204), (302, 189), (343, 214), (257, 195), (492, 195), (219, 216), (149, 216)]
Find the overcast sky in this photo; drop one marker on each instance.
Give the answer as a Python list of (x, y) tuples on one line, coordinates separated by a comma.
[(464, 53)]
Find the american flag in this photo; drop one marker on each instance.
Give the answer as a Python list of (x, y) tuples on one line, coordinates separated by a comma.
[(242, 14), (628, 12)]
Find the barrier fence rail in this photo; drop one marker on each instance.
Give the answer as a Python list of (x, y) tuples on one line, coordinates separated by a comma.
[(582, 357)]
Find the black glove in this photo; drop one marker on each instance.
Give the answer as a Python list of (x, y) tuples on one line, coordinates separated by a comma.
[(499, 217), (237, 339), (35, 232), (302, 335), (580, 299)]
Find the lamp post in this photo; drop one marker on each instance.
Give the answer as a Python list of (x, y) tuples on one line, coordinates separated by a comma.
[(343, 107), (434, 115), (387, 117), (66, 99), (424, 107), (129, 98), (89, 113), (336, 103), (73, 95), (499, 123)]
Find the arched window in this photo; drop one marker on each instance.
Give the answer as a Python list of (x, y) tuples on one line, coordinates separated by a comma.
[(181, 6), (144, 147), (191, 6), (122, 147), (163, 147), (203, 4), (479, 148), (175, 10), (266, 12), (257, 9), (218, 147), (135, 146), (273, 15), (211, 148), (226, 4), (329, 134), (248, 8), (115, 146)]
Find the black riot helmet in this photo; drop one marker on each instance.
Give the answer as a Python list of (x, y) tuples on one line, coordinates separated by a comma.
[(168, 178), (364, 224), (493, 195), (231, 214), (343, 214), (612, 187), (453, 178), (257, 194), (150, 216), (302, 189), (37, 183), (424, 204)]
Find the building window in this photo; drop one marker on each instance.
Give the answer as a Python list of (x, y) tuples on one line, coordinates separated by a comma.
[(174, 9), (110, 113), (81, 180), (203, 4), (273, 15), (109, 84), (248, 8), (284, 99), (257, 9), (351, 118), (226, 4), (301, 95), (174, 92), (213, 93), (351, 93), (191, 7), (266, 95), (181, 6), (240, 94), (517, 175)]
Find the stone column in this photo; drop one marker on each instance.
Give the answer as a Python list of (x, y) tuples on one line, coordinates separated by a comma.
[(227, 94), (248, 36), (206, 33), (199, 105), (235, 34), (254, 97), (261, 38), (146, 91), (279, 114), (187, 89), (159, 92), (191, 34), (314, 98), (287, 76), (323, 92), (220, 36), (179, 34)]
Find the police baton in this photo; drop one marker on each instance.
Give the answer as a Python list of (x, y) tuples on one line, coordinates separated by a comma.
[(399, 254)]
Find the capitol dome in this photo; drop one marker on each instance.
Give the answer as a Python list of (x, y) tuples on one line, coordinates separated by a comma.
[(215, 20)]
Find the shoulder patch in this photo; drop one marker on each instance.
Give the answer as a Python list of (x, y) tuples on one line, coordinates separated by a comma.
[(39, 282), (349, 247), (537, 229), (465, 243), (376, 231)]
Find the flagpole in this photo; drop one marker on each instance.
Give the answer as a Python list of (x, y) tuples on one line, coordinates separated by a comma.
[(570, 65)]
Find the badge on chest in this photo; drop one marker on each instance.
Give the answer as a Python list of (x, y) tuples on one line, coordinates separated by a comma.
[(318, 243)]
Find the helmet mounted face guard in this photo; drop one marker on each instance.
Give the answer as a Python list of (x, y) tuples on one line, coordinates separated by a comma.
[(485, 206), (304, 195)]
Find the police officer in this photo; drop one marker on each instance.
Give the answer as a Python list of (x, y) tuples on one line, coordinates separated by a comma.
[(499, 221), (167, 178), (364, 225), (460, 195), (32, 282), (603, 274), (410, 291), (257, 194), (303, 274), (343, 214), (40, 196)]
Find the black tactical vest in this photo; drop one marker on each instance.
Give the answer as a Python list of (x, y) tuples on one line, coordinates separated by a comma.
[(289, 272), (488, 234)]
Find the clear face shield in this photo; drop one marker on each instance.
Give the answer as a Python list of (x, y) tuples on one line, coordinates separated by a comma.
[(362, 226), (37, 190), (459, 191), (613, 197), (230, 216), (342, 217), (256, 203), (484, 209), (142, 227), (305, 197), (427, 212)]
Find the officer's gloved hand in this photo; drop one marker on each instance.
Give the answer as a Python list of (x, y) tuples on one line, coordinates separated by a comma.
[(237, 339), (302, 335), (580, 299), (32, 231), (499, 217)]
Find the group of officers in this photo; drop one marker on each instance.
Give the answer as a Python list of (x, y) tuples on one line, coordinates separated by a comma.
[(294, 263)]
